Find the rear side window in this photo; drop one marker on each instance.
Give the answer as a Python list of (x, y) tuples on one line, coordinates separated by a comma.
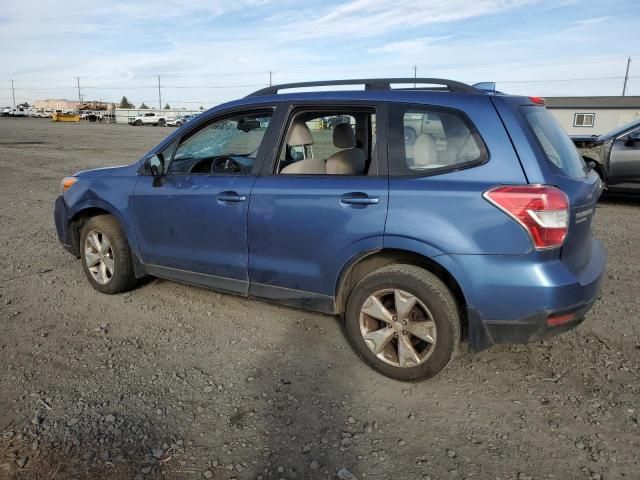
[(426, 140), (557, 146)]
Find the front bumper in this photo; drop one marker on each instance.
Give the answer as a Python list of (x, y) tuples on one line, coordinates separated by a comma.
[(62, 221)]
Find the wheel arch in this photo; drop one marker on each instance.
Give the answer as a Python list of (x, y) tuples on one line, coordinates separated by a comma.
[(81, 217), (366, 263)]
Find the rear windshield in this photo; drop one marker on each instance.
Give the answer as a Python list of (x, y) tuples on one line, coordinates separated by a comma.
[(556, 144)]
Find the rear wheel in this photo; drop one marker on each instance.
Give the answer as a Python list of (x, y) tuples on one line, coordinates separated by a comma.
[(161, 122), (106, 258), (404, 322)]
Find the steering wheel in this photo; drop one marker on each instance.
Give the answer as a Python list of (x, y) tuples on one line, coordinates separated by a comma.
[(226, 164)]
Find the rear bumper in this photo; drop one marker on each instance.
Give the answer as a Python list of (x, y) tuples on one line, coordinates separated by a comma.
[(61, 217), (534, 328), (509, 298)]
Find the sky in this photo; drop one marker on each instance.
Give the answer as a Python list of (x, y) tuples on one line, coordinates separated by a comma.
[(210, 51)]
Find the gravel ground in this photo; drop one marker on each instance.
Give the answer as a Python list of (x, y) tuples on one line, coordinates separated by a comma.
[(171, 381)]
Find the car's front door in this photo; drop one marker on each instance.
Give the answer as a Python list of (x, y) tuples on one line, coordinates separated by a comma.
[(191, 222), (624, 161), (306, 225)]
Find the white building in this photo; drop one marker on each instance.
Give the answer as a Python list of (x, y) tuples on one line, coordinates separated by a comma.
[(593, 115)]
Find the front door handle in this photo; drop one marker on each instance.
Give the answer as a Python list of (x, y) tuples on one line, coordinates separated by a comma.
[(231, 197), (358, 198)]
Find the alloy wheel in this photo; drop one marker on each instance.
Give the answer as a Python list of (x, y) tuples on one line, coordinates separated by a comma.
[(98, 254), (398, 328)]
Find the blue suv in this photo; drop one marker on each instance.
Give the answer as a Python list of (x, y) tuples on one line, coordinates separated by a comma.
[(423, 216)]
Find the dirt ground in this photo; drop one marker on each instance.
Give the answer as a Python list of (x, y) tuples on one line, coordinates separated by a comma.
[(171, 381)]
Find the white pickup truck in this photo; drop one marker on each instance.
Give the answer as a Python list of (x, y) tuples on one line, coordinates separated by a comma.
[(148, 118)]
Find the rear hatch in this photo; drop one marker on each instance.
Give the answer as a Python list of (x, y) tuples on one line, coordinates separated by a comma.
[(564, 168)]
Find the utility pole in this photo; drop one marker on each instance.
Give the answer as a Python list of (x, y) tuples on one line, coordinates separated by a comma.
[(270, 78), (626, 77), (79, 94), (13, 94), (415, 74), (159, 95)]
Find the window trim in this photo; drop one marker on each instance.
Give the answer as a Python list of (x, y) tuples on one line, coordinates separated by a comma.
[(294, 108), (396, 135), (256, 109), (585, 115)]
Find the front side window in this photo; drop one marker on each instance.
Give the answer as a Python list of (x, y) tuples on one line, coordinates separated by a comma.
[(583, 119), (426, 140), (228, 146)]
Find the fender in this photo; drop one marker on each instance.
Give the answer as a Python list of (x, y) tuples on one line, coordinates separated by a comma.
[(82, 199)]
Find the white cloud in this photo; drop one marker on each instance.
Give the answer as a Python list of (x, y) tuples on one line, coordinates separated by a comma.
[(369, 18)]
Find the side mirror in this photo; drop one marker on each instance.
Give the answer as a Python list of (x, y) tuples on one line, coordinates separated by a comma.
[(155, 165)]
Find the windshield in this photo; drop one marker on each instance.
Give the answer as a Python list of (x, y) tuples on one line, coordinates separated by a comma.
[(620, 130), (557, 145)]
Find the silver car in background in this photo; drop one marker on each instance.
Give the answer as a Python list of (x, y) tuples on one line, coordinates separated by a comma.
[(615, 155)]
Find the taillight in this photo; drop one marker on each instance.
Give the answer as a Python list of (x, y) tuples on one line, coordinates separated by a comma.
[(542, 210), (537, 100)]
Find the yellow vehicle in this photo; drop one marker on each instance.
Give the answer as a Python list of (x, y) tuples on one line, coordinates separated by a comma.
[(65, 117)]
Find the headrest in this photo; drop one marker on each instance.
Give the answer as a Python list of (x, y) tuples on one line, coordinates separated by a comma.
[(299, 134), (343, 136), (424, 150)]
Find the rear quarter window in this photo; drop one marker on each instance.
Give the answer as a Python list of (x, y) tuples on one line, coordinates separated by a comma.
[(556, 144), (425, 140)]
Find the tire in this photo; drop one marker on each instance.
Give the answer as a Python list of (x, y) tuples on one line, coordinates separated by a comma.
[(114, 255), (435, 309), (138, 123), (161, 122)]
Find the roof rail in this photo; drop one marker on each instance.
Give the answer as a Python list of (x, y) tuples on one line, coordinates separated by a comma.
[(369, 84)]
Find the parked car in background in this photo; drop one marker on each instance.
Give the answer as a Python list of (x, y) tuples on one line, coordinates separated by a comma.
[(615, 156), (185, 119), (174, 122), (38, 113), (148, 118), (6, 111), (482, 233), (19, 111)]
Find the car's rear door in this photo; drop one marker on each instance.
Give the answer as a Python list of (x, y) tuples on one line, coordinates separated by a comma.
[(304, 228), (191, 223)]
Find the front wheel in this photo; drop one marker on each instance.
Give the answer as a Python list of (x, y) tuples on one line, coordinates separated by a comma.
[(404, 322), (106, 258)]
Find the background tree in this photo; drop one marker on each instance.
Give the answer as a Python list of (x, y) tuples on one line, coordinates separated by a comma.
[(124, 103), (25, 105), (201, 107), (167, 107), (143, 106)]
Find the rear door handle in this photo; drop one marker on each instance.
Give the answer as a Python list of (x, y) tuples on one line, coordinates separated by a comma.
[(358, 198), (231, 197)]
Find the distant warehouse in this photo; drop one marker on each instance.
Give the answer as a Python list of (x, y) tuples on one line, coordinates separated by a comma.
[(593, 115)]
